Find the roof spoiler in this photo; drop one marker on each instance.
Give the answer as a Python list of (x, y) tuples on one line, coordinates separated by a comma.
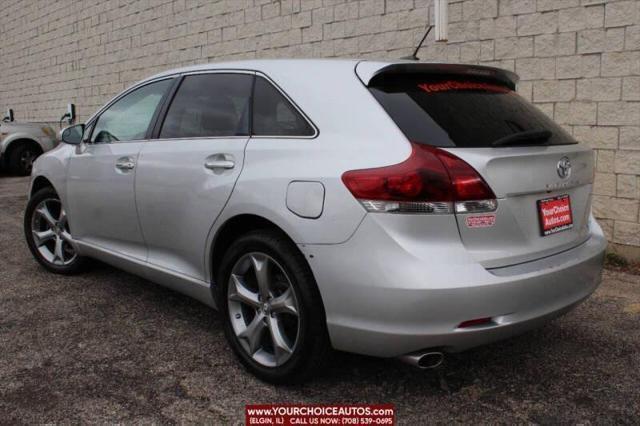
[(368, 71)]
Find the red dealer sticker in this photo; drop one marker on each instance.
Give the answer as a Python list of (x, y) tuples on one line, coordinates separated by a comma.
[(555, 215), (484, 221), (319, 414)]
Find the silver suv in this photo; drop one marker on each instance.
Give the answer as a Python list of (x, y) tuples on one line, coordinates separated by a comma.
[(22, 143), (389, 209)]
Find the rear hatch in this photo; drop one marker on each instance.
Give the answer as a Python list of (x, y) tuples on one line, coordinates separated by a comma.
[(540, 176)]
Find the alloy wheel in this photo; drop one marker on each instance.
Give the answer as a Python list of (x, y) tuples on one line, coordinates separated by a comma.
[(263, 309), (50, 231)]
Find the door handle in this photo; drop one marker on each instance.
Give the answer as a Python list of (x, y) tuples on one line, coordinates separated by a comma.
[(125, 163), (220, 161)]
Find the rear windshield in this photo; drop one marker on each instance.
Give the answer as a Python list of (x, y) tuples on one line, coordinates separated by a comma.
[(462, 112)]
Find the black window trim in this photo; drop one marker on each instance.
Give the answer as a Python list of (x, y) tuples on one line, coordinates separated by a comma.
[(148, 134), (166, 103)]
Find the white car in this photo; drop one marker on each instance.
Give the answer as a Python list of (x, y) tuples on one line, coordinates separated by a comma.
[(394, 209), (22, 143)]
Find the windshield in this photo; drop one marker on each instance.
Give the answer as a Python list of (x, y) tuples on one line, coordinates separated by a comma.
[(462, 112)]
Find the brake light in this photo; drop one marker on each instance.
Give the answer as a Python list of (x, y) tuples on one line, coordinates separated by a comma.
[(431, 180)]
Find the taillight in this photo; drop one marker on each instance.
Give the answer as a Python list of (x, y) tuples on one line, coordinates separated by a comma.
[(431, 180)]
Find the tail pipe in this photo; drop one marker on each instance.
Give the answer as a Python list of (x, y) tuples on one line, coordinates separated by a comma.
[(423, 360)]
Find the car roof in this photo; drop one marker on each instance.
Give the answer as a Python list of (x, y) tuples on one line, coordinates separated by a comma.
[(365, 69), (262, 65)]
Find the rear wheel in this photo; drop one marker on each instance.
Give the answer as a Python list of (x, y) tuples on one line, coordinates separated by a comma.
[(47, 232), (272, 311), (21, 159)]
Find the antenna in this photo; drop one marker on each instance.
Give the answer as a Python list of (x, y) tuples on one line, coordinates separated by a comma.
[(414, 56)]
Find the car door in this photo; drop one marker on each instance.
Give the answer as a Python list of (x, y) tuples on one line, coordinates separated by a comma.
[(186, 175), (100, 185)]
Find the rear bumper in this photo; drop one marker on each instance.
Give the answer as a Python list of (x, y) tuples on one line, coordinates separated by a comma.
[(389, 293)]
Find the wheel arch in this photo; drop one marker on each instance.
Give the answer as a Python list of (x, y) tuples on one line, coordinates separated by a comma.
[(38, 183), (16, 142), (12, 144), (233, 228)]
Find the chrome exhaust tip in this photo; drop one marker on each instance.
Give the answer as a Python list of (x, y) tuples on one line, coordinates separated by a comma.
[(423, 360)]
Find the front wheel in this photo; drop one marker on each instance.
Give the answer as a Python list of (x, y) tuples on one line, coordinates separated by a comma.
[(272, 312), (47, 232)]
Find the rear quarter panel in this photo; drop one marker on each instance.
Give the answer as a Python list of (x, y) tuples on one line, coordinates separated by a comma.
[(354, 132)]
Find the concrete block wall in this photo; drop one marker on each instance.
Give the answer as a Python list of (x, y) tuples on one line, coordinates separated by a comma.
[(579, 60)]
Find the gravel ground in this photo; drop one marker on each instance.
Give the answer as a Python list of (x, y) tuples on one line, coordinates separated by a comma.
[(106, 346)]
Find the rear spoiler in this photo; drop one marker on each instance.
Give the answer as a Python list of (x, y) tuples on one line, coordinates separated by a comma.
[(368, 71)]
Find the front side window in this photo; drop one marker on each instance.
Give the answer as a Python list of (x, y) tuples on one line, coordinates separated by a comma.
[(273, 114), (130, 116), (209, 105)]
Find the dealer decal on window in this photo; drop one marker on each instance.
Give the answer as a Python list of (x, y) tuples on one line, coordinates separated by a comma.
[(451, 85)]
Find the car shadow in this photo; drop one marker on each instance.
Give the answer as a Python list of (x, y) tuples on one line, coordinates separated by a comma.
[(458, 371), (119, 336)]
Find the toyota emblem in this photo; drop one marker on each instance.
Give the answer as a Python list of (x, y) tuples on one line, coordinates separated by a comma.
[(564, 167)]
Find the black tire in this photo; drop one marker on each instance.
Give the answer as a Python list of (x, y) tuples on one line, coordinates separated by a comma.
[(312, 345), (20, 159), (76, 265)]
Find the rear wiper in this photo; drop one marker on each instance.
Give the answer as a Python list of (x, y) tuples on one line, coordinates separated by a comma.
[(523, 138)]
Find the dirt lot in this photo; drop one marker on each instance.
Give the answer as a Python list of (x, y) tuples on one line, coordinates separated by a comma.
[(107, 346)]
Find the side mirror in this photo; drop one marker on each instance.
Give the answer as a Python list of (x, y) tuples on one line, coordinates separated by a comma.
[(72, 135)]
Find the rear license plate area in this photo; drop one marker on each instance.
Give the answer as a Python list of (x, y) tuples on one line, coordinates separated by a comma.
[(555, 215)]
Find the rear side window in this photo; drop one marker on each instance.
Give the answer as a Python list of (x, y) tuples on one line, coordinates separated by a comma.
[(209, 105), (463, 113), (273, 114)]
